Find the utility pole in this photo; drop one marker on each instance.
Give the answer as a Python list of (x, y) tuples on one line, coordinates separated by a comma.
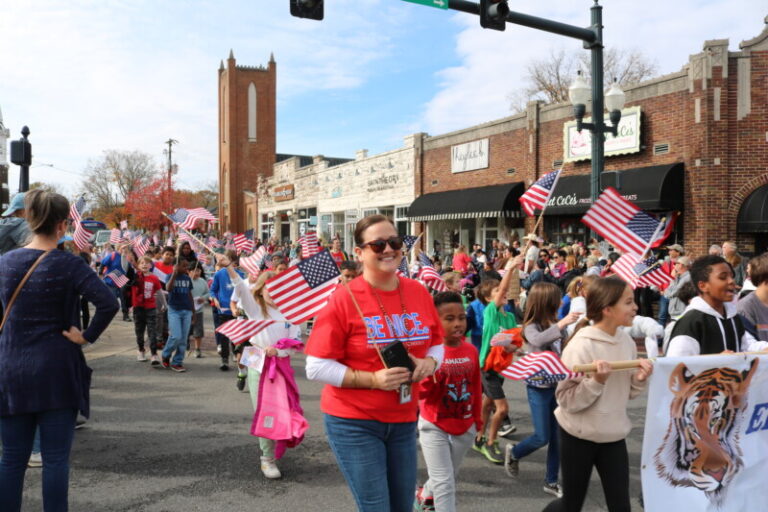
[(170, 143)]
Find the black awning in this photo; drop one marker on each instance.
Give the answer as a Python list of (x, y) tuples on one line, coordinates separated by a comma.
[(659, 187), (468, 203), (753, 215)]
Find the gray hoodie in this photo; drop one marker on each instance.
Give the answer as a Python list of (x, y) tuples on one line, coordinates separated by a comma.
[(14, 232)]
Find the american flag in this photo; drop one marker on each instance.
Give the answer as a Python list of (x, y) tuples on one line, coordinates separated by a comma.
[(203, 258), (213, 241), (76, 209), (240, 330), (637, 274), (429, 275), (622, 223), (402, 269), (539, 368), (244, 241), (140, 245), (81, 237), (115, 236), (409, 241), (303, 290), (118, 278), (538, 194), (187, 219), (309, 245), (252, 263)]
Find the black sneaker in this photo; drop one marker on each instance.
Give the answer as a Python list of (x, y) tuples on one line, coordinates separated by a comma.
[(507, 428), (512, 465), (126, 318), (224, 367), (241, 382), (553, 489), (198, 354)]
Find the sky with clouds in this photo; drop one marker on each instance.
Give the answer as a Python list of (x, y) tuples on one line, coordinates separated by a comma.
[(87, 76)]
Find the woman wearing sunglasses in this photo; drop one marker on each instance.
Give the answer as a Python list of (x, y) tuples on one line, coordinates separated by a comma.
[(370, 413)]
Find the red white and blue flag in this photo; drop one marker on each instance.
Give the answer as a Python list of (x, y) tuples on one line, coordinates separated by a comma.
[(623, 224), (641, 273), (304, 289), (241, 330), (252, 264), (188, 219), (76, 209), (140, 245), (244, 241), (537, 196), (402, 269), (115, 236), (539, 368), (429, 275), (309, 245), (117, 277)]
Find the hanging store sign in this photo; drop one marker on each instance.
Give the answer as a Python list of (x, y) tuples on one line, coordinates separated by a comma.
[(578, 146), (470, 156)]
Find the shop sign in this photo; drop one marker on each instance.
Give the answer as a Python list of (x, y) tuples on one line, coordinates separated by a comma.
[(386, 182), (578, 146), (573, 199), (282, 193), (470, 156)]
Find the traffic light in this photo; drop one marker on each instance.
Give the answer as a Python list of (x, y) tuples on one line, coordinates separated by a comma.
[(312, 9), (21, 152), (493, 14)]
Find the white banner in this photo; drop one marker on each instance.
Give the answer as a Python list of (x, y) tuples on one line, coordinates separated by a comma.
[(470, 156), (705, 445)]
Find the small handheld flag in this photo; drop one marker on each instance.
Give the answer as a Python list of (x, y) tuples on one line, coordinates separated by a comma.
[(239, 331), (537, 196), (540, 368), (118, 278)]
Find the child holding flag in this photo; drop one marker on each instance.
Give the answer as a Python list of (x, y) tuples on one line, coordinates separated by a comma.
[(592, 411), (450, 409), (143, 291)]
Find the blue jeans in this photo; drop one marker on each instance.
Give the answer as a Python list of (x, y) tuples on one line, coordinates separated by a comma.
[(545, 430), (57, 429), (378, 461), (663, 310), (179, 321)]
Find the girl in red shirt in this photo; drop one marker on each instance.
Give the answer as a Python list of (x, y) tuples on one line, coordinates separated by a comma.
[(370, 413), (450, 406)]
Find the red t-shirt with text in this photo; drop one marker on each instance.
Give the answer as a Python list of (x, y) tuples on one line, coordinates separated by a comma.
[(453, 399), (339, 333), (143, 291)]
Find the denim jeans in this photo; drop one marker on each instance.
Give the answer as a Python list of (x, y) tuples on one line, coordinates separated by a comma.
[(57, 429), (377, 459), (179, 321), (663, 310), (545, 430)]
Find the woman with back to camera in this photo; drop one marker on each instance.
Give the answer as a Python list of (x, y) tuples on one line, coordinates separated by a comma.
[(44, 380), (370, 414)]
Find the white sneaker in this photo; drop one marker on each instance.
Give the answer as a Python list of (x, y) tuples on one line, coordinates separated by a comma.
[(35, 461), (269, 468), (141, 357)]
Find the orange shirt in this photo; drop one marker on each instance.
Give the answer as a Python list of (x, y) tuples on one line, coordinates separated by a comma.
[(339, 334)]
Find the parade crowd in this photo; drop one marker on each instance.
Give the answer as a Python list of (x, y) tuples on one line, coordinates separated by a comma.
[(445, 345)]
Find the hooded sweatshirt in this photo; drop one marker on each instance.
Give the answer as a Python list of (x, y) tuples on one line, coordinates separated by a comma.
[(590, 410), (702, 330), (14, 232)]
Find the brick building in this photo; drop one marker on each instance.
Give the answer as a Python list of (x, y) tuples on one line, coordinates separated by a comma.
[(247, 133), (695, 141)]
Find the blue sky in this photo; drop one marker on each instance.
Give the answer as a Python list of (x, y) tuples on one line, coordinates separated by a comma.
[(87, 76)]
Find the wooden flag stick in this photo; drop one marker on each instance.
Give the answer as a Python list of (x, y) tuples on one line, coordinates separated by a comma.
[(635, 363), (190, 234)]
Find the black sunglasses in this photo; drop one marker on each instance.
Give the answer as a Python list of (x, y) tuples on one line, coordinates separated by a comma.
[(378, 246)]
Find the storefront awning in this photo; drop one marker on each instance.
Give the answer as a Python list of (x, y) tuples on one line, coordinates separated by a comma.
[(469, 203), (753, 215), (659, 187)]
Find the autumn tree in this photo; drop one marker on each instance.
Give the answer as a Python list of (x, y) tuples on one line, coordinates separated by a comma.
[(110, 179), (548, 79)]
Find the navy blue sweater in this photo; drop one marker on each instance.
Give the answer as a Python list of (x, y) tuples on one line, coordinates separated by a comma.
[(40, 369)]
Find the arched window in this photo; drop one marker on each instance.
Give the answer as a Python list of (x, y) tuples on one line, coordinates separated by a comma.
[(224, 114), (251, 112)]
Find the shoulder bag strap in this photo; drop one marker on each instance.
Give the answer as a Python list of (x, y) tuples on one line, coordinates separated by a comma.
[(21, 285), (362, 318)]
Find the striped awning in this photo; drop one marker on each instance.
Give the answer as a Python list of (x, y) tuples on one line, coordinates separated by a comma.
[(469, 203)]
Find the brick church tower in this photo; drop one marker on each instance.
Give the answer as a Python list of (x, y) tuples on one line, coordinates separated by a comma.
[(247, 133)]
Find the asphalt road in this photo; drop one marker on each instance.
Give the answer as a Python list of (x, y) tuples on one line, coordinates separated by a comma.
[(159, 441)]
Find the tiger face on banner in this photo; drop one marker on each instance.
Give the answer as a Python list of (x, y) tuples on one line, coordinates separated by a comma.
[(701, 448)]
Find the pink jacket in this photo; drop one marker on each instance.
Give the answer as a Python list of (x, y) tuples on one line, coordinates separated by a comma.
[(279, 415)]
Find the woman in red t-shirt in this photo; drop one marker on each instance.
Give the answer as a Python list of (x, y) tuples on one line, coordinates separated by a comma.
[(370, 415), (461, 260)]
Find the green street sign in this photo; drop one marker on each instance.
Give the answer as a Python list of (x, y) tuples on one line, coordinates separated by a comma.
[(440, 4)]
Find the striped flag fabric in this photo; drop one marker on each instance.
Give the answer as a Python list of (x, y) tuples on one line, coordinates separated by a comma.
[(539, 368), (140, 245), (429, 275), (641, 273), (244, 241), (187, 219), (622, 223), (117, 277), (213, 241), (300, 292), (402, 269), (409, 241), (241, 330), (309, 245), (76, 209), (251, 264), (81, 237), (537, 196), (115, 236)]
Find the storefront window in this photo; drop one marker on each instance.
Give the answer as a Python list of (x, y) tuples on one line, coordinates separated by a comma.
[(401, 221), (565, 229), (489, 230)]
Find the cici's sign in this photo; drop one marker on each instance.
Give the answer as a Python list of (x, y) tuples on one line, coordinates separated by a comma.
[(282, 193)]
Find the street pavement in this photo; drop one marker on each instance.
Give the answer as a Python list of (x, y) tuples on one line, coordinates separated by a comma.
[(160, 441)]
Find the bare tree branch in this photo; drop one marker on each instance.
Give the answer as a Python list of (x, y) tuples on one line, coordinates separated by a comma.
[(111, 178)]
